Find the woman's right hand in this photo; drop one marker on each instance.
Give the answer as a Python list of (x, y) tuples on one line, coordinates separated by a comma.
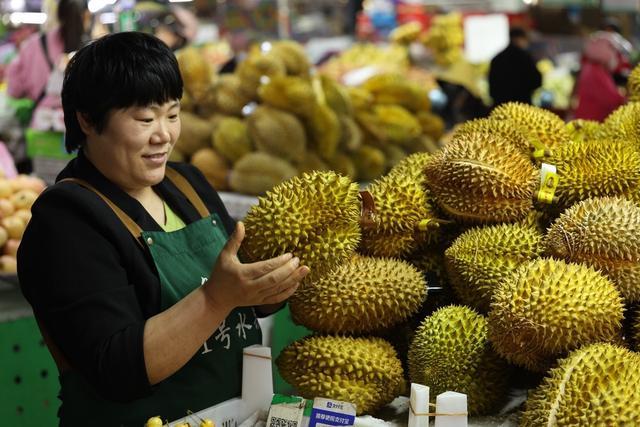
[(234, 284)]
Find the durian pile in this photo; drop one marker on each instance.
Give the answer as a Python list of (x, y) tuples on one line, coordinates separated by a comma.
[(275, 118), (458, 270), (445, 38)]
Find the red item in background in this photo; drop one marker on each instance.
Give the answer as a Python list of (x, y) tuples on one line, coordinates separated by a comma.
[(597, 93)]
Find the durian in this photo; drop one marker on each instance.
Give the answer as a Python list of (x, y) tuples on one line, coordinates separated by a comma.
[(293, 57), (310, 162), (324, 130), (451, 351), (597, 385), (481, 178), (369, 161), (542, 125), (228, 97), (336, 96), (623, 124), (196, 72), (431, 124), (596, 169), (508, 130), (583, 130), (633, 85), (481, 258), (361, 295), (404, 216), (258, 172), (390, 124), (231, 138), (255, 68), (364, 371), (361, 99), (350, 134), (342, 164), (278, 133), (316, 216), (602, 233), (292, 94), (548, 308), (213, 166), (195, 133), (393, 154), (636, 330), (395, 89)]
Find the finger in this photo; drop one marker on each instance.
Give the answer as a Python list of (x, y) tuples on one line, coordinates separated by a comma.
[(258, 269), (283, 295), (233, 244), (295, 277), (269, 281)]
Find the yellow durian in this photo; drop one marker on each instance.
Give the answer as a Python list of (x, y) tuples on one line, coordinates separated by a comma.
[(336, 96), (583, 130), (324, 130), (289, 93), (350, 134), (229, 98), (396, 89), (231, 138), (390, 124), (597, 385), (310, 162), (258, 172), (623, 124), (481, 258), (197, 74), (255, 68), (277, 132), (363, 371), (432, 124), (541, 125), (361, 99), (287, 219), (342, 164), (361, 295), (548, 308), (293, 57), (633, 85), (482, 179), (393, 154), (369, 161), (451, 351), (595, 169), (602, 233), (195, 133), (508, 130)]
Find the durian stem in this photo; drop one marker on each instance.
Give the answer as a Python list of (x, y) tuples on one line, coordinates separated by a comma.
[(368, 210)]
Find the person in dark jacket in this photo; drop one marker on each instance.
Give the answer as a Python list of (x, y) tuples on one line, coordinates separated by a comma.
[(130, 262), (513, 75)]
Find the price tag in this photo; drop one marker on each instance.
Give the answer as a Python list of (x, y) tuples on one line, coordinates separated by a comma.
[(332, 413), (548, 183)]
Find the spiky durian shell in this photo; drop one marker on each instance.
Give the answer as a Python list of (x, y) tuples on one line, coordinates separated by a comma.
[(583, 130), (635, 330), (288, 93), (623, 124), (596, 169), (316, 216), (278, 133), (369, 162), (293, 57), (603, 233), (481, 178), (231, 138), (361, 295), (228, 97), (540, 124), (256, 66), (483, 257), (507, 129), (548, 308), (324, 130), (633, 84), (364, 371), (258, 172), (597, 385), (401, 201), (391, 124), (451, 351)]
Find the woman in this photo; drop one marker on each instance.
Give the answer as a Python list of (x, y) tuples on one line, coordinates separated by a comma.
[(126, 262)]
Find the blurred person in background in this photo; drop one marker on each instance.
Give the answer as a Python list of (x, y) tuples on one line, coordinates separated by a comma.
[(513, 75), (596, 90)]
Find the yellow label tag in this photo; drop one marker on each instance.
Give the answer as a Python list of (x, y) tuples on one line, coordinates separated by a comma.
[(548, 183)]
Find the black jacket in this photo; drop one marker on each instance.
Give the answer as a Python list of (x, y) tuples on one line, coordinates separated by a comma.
[(90, 284), (513, 76)]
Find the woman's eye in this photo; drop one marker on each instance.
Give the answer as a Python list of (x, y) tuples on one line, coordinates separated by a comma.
[(146, 120), (173, 117)]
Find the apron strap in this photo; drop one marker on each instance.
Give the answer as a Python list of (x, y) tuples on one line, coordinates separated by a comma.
[(131, 225), (187, 189)]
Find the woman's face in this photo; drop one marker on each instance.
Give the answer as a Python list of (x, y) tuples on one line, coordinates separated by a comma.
[(133, 148)]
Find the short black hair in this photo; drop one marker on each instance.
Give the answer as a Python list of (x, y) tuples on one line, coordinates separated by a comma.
[(119, 70), (517, 33)]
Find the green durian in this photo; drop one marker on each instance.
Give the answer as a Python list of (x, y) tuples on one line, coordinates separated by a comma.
[(315, 216), (361, 295), (289, 93), (623, 124), (363, 371), (395, 89), (229, 98), (481, 258), (278, 133), (597, 385), (255, 68), (231, 138), (390, 124), (548, 308), (603, 233), (324, 130), (451, 351), (258, 172), (195, 133)]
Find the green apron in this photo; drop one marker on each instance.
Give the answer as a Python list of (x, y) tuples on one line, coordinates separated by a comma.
[(184, 260)]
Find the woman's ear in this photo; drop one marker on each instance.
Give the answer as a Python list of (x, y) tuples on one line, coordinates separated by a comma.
[(84, 123)]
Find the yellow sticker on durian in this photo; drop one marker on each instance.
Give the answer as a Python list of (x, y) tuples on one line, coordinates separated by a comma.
[(548, 183)]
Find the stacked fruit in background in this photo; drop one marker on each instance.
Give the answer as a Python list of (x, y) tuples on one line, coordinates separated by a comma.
[(445, 38), (16, 197), (274, 118), (537, 279)]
